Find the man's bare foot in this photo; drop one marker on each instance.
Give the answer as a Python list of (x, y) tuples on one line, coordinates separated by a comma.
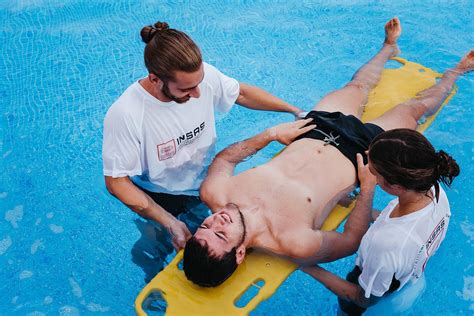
[(466, 64), (393, 30)]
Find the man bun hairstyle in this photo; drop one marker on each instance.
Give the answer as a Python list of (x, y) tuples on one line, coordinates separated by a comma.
[(168, 50), (149, 31), (405, 157), (205, 270)]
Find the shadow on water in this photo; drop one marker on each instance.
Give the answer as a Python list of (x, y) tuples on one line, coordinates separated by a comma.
[(150, 251)]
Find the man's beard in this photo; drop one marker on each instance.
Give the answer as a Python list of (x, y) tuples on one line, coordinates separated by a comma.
[(166, 91), (244, 233)]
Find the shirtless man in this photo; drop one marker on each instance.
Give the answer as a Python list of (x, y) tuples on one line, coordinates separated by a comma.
[(280, 206)]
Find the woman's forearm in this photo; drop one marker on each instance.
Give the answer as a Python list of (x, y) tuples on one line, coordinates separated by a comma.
[(342, 288)]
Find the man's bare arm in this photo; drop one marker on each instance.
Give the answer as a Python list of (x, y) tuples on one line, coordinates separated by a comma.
[(326, 246), (139, 202), (222, 168), (213, 189), (336, 245), (310, 246), (255, 98)]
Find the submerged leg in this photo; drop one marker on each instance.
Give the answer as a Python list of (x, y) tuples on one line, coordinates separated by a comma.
[(352, 98), (427, 102)]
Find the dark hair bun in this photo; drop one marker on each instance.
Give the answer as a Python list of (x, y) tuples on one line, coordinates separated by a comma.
[(148, 32), (160, 26), (447, 167)]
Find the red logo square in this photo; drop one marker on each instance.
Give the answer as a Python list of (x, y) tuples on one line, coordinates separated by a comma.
[(166, 150)]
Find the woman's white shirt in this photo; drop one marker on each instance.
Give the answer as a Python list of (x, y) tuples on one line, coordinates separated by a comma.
[(400, 247)]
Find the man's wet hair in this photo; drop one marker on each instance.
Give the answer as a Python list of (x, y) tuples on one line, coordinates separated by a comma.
[(204, 269)]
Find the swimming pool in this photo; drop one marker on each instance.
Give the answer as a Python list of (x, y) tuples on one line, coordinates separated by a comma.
[(67, 247)]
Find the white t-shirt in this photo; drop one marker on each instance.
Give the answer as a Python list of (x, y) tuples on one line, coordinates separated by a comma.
[(166, 146), (401, 246)]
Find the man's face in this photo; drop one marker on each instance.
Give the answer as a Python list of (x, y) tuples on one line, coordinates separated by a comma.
[(184, 86), (222, 231)]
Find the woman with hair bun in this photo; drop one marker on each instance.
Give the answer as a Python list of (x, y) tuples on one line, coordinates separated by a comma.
[(160, 135), (410, 229)]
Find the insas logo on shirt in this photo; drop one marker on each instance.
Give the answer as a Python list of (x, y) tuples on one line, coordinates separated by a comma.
[(436, 233), (426, 249), (190, 136), (168, 149)]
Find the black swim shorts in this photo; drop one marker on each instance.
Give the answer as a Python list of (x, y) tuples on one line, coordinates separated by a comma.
[(345, 132), (349, 308), (352, 309), (174, 204)]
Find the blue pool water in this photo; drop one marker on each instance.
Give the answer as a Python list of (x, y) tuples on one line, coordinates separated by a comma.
[(68, 248)]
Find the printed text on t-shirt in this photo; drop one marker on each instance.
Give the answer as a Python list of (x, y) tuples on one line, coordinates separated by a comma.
[(169, 148), (190, 137), (426, 249)]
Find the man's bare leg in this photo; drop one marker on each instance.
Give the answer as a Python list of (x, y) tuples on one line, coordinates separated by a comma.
[(427, 102), (352, 98)]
